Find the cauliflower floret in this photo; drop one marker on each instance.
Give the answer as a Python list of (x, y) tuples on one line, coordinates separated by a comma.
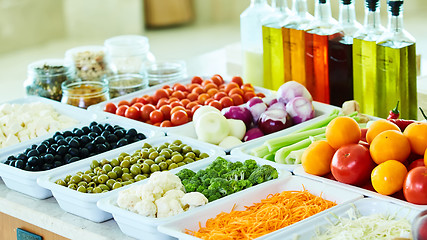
[(168, 206), (127, 200), (166, 180), (146, 208), (193, 199), (174, 194)]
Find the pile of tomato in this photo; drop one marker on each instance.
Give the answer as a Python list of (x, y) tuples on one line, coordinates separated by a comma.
[(175, 105)]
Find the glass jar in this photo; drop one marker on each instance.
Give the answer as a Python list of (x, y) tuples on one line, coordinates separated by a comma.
[(122, 84), (84, 93), (45, 78), (128, 54), (164, 71), (88, 62)]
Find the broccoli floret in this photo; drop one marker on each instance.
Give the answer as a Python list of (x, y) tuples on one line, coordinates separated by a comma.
[(201, 188), (250, 165), (239, 185), (236, 165), (220, 165), (221, 185), (262, 174), (236, 174), (211, 195), (191, 185), (185, 174)]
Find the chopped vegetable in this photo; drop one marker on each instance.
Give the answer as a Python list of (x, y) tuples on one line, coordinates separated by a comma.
[(272, 213), (274, 119), (252, 134), (300, 109), (211, 127), (279, 142), (281, 154), (290, 90), (256, 106), (239, 113)]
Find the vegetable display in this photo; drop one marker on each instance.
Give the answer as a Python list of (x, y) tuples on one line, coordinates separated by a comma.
[(222, 178), (274, 212)]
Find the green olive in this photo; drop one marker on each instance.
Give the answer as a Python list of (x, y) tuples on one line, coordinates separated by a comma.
[(89, 171), (123, 154), (144, 154), (104, 187), (100, 172), (177, 142), (80, 173), (172, 166), (163, 166), (107, 167), (154, 168), (126, 176), (180, 164), (177, 158), (145, 168), (175, 153), (60, 182), (104, 161), (119, 180), (89, 189), (110, 183), (135, 169), (120, 159), (118, 170), (186, 149), (95, 179), (91, 184), (149, 162), (196, 151), (190, 155), (125, 170), (67, 178), (203, 155), (127, 158), (82, 183), (150, 150), (103, 178), (112, 175), (146, 145), (168, 162), (86, 178), (175, 148), (75, 179), (97, 190), (139, 177), (94, 164), (153, 155), (159, 159), (73, 186), (114, 162), (81, 189), (125, 163), (133, 160), (117, 185), (165, 154), (126, 183), (188, 160)]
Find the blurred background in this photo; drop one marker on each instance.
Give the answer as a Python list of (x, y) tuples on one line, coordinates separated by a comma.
[(177, 29)]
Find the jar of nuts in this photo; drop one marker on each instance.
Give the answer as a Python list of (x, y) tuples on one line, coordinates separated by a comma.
[(88, 62), (84, 93), (46, 76)]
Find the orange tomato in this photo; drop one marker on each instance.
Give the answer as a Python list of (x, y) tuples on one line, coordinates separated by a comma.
[(390, 145), (237, 99), (160, 93), (179, 87), (197, 79), (317, 158), (226, 102), (248, 96), (238, 80), (388, 177), (216, 104), (202, 98), (166, 123), (341, 131), (236, 91), (192, 96), (219, 95), (416, 133), (174, 109), (198, 90), (123, 102), (378, 127), (230, 86), (212, 91), (217, 79), (178, 94)]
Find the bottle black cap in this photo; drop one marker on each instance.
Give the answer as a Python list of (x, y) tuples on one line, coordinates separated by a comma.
[(395, 7), (372, 5), (322, 1), (346, 2)]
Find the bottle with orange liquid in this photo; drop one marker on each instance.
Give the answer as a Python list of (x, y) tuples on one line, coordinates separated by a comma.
[(340, 55), (322, 28), (293, 41)]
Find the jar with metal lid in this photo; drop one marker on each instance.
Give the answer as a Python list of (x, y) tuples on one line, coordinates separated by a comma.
[(45, 78), (88, 62), (122, 84), (163, 71), (84, 93), (128, 54)]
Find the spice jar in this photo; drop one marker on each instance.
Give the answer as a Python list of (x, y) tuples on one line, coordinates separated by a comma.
[(122, 84), (88, 62), (128, 54), (84, 93), (45, 78), (164, 71)]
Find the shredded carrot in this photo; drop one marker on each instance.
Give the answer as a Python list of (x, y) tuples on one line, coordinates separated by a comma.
[(272, 213)]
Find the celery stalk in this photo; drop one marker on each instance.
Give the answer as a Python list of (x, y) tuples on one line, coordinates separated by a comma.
[(279, 142), (283, 152), (260, 151), (319, 124), (294, 157), (269, 157)]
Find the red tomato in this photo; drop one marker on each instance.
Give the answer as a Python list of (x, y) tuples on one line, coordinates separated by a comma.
[(190, 105), (352, 164), (166, 110), (121, 110), (237, 99), (179, 117), (141, 100), (110, 107), (216, 104), (238, 80), (132, 113), (416, 163), (230, 86), (217, 79), (248, 96), (160, 93), (161, 102), (156, 116), (150, 100), (192, 96), (193, 110), (415, 186), (166, 86), (173, 99), (177, 108), (179, 87), (209, 100), (166, 123), (197, 79), (178, 94), (202, 98), (133, 101), (123, 102), (226, 102), (175, 104), (146, 110), (185, 101), (219, 95), (198, 90), (138, 105)]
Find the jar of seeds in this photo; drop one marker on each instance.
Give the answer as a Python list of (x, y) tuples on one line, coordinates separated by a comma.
[(88, 62), (84, 93), (46, 76)]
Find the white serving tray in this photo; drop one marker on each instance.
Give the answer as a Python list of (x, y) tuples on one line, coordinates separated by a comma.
[(191, 220), (25, 181), (78, 114), (84, 204), (133, 224), (321, 110), (366, 207), (300, 172), (99, 108)]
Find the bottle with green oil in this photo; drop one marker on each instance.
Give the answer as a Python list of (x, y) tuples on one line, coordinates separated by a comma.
[(273, 52), (365, 59), (396, 60)]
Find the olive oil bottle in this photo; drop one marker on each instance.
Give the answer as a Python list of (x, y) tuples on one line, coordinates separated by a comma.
[(273, 46), (396, 60), (365, 83)]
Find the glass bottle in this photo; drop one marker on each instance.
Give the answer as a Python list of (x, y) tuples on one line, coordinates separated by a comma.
[(251, 40), (322, 28), (273, 45), (365, 59), (396, 72), (294, 41), (84, 93), (341, 56)]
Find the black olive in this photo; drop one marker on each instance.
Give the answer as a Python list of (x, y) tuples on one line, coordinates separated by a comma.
[(66, 157), (35, 168), (12, 163), (42, 148), (67, 134), (34, 146), (109, 128), (132, 132), (33, 161), (122, 143), (113, 145), (32, 153), (119, 133), (117, 127), (93, 124), (141, 136), (86, 129), (27, 150), (99, 140), (62, 142), (90, 147), (74, 143), (45, 142), (57, 138), (57, 164), (68, 139), (51, 151), (105, 133), (11, 157), (57, 134), (107, 145), (27, 167), (83, 153), (93, 135), (19, 164), (101, 127), (22, 157), (7, 162), (111, 138), (84, 139), (49, 158), (47, 166), (51, 141), (73, 159), (92, 154), (100, 148), (57, 158), (63, 149), (96, 129), (73, 151)]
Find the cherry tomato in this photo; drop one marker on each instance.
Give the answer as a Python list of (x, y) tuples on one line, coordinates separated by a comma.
[(352, 164), (202, 98), (178, 94), (210, 86), (174, 104), (166, 123), (220, 95), (138, 105), (141, 100), (190, 105), (212, 92), (189, 113), (166, 86), (173, 99), (191, 86), (110, 107), (185, 101), (216, 104), (133, 101), (230, 86), (179, 87), (166, 110), (238, 80), (146, 110), (217, 79), (123, 102), (260, 95), (197, 79), (193, 110), (121, 110), (156, 116), (132, 113), (248, 96), (226, 102), (179, 117), (150, 100), (198, 90), (415, 186), (161, 102), (192, 96), (177, 108), (160, 93), (237, 99), (209, 100), (206, 82), (236, 91)]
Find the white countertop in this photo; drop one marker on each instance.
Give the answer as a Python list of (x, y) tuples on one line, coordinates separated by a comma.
[(48, 215)]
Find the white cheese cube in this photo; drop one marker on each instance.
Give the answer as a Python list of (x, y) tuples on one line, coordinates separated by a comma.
[(11, 140)]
